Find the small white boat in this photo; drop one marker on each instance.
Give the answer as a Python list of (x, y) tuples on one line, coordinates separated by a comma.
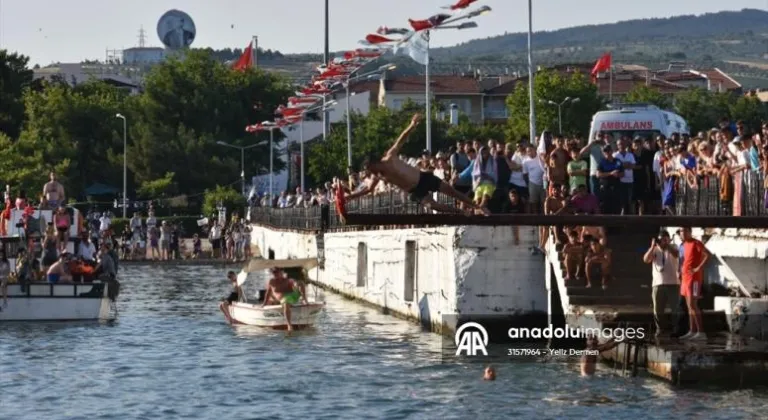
[(60, 302), (253, 313)]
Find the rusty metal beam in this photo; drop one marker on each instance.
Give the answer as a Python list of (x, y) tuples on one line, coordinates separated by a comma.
[(742, 222)]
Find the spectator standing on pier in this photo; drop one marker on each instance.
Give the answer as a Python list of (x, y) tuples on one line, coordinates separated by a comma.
[(533, 171), (662, 256), (695, 257), (627, 181), (610, 171), (215, 238)]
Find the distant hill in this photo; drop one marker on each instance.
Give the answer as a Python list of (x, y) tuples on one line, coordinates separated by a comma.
[(735, 41), (743, 33)]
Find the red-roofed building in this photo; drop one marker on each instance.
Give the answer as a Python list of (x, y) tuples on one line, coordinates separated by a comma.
[(465, 92)]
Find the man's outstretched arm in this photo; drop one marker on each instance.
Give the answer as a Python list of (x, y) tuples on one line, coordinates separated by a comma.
[(395, 149), (368, 189)]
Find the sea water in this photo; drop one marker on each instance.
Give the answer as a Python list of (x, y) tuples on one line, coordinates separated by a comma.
[(170, 355)]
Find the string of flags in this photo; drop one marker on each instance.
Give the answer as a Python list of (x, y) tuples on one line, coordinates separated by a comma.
[(330, 77)]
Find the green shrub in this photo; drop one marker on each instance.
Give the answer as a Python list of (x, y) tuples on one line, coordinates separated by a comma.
[(230, 198)]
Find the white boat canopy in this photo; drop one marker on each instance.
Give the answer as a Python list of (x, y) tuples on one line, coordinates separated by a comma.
[(261, 264)]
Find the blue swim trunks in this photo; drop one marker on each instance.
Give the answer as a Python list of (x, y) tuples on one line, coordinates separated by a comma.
[(53, 278)]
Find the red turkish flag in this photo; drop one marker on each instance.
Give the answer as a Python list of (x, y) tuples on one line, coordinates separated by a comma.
[(246, 59), (377, 39), (603, 64)]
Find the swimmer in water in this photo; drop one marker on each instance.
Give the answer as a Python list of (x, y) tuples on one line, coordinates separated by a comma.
[(489, 374), (589, 360)]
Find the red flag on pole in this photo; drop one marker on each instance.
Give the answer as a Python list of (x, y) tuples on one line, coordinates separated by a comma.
[(246, 60), (603, 64)]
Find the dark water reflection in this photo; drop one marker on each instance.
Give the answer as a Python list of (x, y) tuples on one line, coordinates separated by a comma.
[(171, 356)]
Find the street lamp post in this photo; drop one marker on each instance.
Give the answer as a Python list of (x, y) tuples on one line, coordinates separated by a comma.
[(532, 104), (125, 163), (560, 110), (242, 160), (350, 79), (427, 88)]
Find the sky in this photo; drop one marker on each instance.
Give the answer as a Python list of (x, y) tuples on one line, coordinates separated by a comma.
[(71, 31)]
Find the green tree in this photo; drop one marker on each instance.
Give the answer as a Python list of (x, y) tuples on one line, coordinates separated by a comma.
[(159, 188), (750, 110), (642, 94), (77, 126), (187, 106), (372, 134), (14, 77), (555, 87), (466, 130), (227, 196)]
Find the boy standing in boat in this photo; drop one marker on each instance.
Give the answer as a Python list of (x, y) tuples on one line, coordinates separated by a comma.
[(420, 185), (234, 296), (286, 291)]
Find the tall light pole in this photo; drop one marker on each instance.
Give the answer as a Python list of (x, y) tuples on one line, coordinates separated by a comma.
[(532, 115), (242, 160), (560, 109), (327, 60), (427, 88), (323, 107), (125, 163), (349, 97)]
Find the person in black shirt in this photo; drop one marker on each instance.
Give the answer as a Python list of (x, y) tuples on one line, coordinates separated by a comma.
[(609, 172), (499, 200), (174, 243)]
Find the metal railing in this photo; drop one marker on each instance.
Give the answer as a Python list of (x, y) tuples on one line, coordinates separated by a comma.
[(742, 194), (325, 217)]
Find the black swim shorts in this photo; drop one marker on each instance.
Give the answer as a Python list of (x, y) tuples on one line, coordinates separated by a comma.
[(428, 183)]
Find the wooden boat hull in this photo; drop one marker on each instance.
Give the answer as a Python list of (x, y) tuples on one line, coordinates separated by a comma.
[(58, 302), (302, 316)]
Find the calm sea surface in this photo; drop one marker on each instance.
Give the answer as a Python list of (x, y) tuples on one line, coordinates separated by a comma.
[(171, 356)]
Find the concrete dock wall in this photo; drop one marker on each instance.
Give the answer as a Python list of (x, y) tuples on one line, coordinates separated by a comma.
[(433, 275)]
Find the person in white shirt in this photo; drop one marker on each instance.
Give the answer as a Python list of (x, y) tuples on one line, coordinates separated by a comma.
[(87, 250), (663, 258), (516, 177), (626, 182), (533, 170), (151, 220), (104, 223), (215, 237)]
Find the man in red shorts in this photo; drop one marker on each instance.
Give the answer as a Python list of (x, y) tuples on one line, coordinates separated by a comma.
[(695, 257)]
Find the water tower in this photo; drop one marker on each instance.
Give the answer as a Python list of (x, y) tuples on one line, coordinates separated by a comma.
[(176, 30)]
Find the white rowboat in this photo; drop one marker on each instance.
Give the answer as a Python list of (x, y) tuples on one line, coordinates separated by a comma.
[(271, 316)]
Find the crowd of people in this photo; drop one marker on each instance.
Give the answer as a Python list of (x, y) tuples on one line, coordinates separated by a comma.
[(228, 240), (630, 173)]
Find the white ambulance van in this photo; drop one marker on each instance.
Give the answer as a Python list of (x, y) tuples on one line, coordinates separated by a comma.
[(637, 120)]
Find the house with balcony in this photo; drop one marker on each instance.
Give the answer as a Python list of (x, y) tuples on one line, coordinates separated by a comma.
[(465, 92)]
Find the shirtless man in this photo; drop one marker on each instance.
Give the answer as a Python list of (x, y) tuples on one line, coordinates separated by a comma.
[(574, 257), (234, 296), (53, 192), (598, 255), (589, 361), (420, 185), (558, 162), (286, 291), (58, 273), (553, 204), (592, 232)]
